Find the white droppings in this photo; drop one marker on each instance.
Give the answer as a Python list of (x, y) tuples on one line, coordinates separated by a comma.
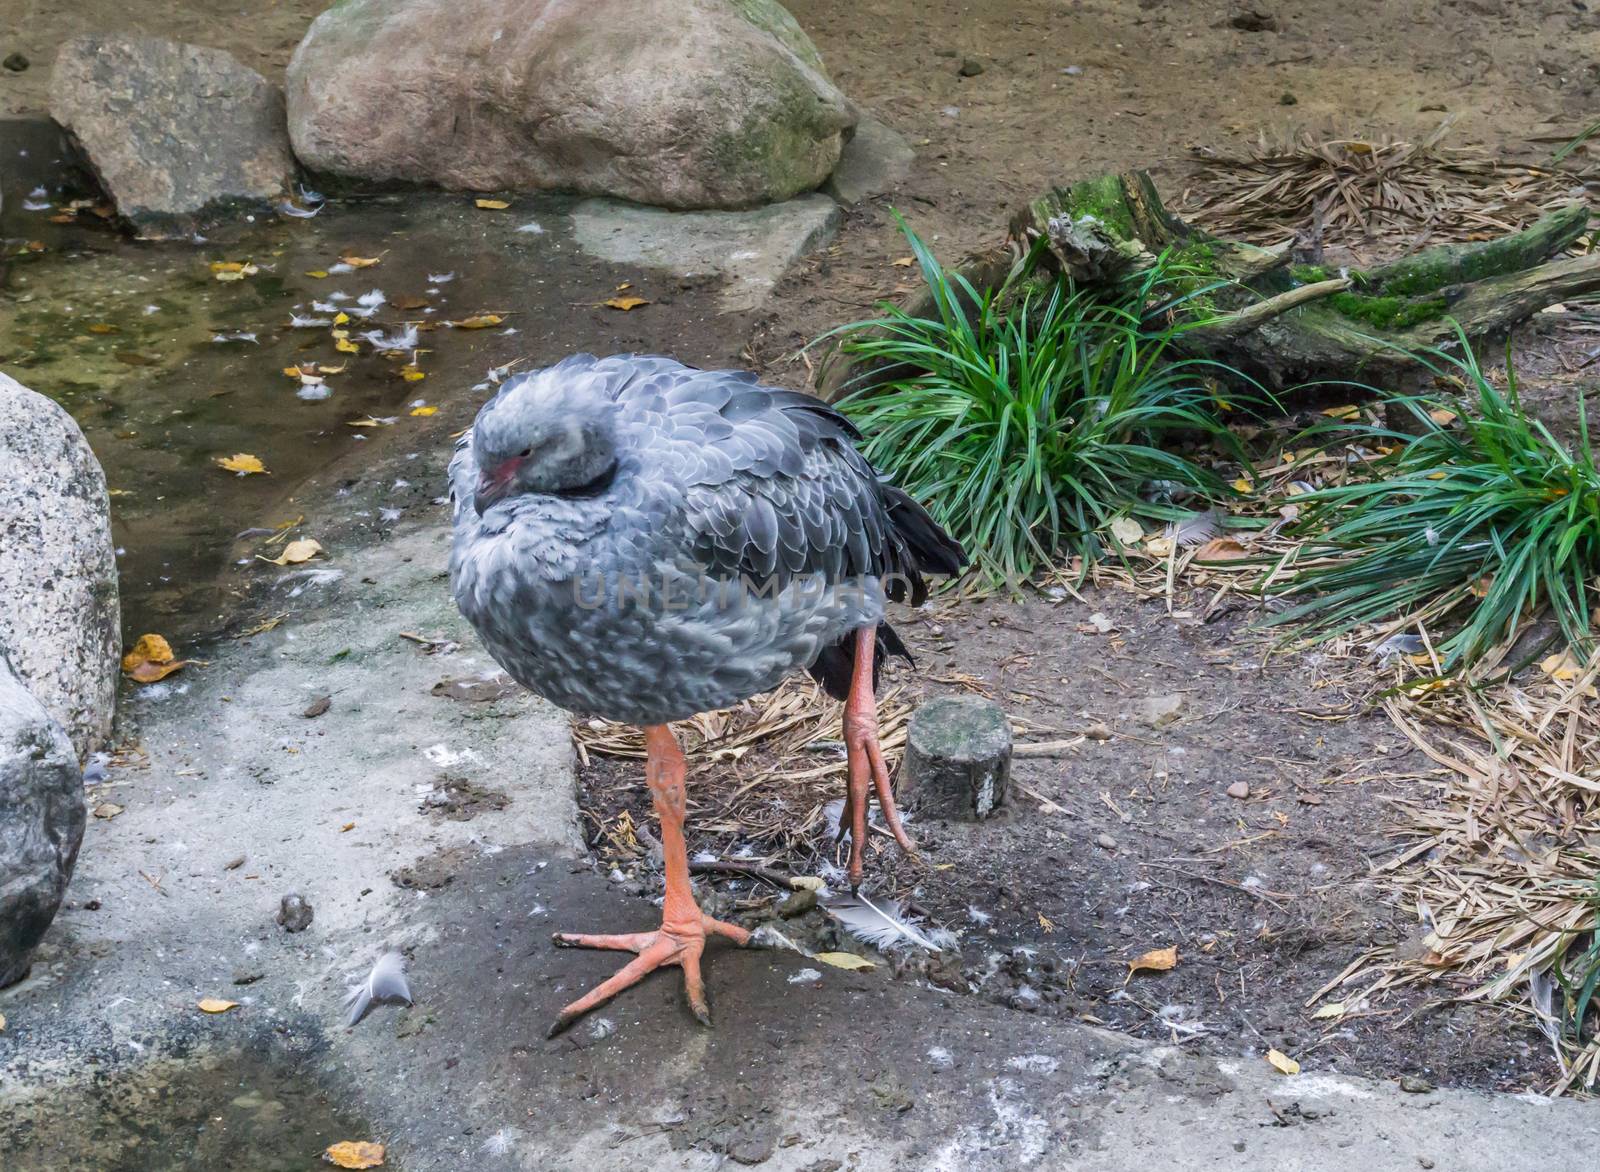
[(805, 977), (1033, 1063)]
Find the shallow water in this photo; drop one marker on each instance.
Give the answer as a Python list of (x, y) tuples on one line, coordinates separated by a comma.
[(210, 1112), (167, 368)]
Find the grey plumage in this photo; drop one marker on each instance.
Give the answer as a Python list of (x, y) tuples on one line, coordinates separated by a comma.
[(639, 540), (385, 983), (882, 924)]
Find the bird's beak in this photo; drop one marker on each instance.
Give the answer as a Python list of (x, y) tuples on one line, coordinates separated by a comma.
[(493, 484)]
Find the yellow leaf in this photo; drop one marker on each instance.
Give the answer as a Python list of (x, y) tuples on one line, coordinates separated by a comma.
[(232, 270), (626, 303), (149, 660), (477, 322), (1439, 475), (1563, 667), (1157, 960), (292, 371), (424, 411), (1349, 411), (241, 462), (360, 262), (346, 346), (1332, 1009), (319, 274), (1243, 485), (339, 319), (107, 810), (1282, 1063), (1221, 549), (844, 960), (411, 374), (216, 1005), (354, 1154), (1443, 416), (903, 262), (492, 205), (367, 421), (1158, 547), (296, 552)]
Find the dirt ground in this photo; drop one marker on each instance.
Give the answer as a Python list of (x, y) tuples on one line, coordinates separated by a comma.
[(1265, 898)]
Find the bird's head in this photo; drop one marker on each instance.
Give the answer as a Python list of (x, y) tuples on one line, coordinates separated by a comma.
[(548, 431)]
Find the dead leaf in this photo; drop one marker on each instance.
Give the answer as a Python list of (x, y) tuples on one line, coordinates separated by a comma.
[(903, 262), (412, 373), (1349, 411), (1127, 531), (354, 1154), (1563, 668), (296, 552), (424, 411), (241, 462), (1331, 1009), (844, 960), (1442, 416), (347, 828), (107, 810), (1221, 549), (317, 707), (319, 274), (2, 1023), (1157, 960), (216, 1005), (409, 302), (492, 205), (1243, 485), (1282, 1063), (150, 659), (360, 262), (232, 270), (479, 321), (101, 327), (626, 303), (369, 421), (1158, 546), (134, 358)]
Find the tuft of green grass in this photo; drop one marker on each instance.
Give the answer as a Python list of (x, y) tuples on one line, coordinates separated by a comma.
[(1029, 417), (1485, 520)]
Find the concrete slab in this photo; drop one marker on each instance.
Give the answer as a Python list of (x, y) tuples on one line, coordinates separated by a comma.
[(751, 250), (875, 160)]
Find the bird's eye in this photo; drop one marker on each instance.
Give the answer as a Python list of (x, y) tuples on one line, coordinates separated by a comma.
[(525, 453)]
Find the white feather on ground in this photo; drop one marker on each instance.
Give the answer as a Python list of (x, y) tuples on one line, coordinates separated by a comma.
[(883, 925), (385, 983), (1196, 528)]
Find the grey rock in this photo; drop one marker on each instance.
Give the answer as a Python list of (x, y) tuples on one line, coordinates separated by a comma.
[(958, 757), (1160, 711), (1106, 842), (294, 913), (679, 103), (797, 903), (751, 250), (177, 134), (58, 571), (876, 159), (41, 821), (970, 67)]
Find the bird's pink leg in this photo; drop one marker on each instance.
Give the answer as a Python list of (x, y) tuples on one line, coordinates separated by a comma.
[(865, 760), (682, 936)]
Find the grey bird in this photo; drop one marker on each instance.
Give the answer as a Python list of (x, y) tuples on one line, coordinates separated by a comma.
[(642, 541)]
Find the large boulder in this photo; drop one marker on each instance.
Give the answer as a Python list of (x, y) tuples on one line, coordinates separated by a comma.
[(41, 822), (58, 569), (178, 134), (679, 103)]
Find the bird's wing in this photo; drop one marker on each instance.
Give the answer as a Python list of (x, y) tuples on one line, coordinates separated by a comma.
[(772, 484)]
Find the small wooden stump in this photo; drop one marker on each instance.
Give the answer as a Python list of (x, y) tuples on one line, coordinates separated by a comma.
[(958, 758)]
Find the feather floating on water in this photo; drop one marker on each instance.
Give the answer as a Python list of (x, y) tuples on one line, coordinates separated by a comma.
[(883, 925), (386, 982)]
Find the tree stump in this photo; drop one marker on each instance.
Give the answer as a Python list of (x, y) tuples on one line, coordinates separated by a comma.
[(958, 758), (1252, 308)]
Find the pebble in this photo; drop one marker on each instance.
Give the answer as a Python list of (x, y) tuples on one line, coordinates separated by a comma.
[(294, 913), (1106, 841), (798, 903), (1239, 789), (970, 67), (1097, 731), (1160, 711), (1288, 99), (16, 62), (1073, 71), (247, 976), (1412, 1084)]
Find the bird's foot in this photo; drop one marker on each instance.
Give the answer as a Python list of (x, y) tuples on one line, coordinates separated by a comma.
[(680, 945), (866, 769)]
